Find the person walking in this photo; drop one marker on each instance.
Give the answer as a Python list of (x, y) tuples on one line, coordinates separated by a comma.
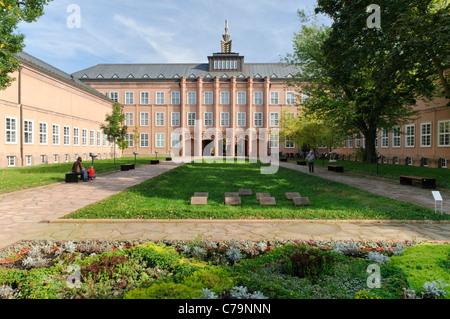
[(310, 158)]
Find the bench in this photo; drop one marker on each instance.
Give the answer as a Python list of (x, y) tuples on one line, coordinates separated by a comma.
[(303, 163), (73, 177), (283, 159), (126, 167), (429, 183), (154, 162), (336, 168)]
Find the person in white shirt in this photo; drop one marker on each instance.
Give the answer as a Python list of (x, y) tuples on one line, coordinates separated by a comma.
[(310, 158)]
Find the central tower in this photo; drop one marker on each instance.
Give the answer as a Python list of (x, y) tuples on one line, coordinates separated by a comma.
[(226, 60)]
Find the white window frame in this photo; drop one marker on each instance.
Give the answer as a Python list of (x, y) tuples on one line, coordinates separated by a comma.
[(129, 118), (175, 97), (11, 161), (224, 119), (129, 98), (160, 140), (396, 137), (55, 134), (241, 98), (129, 139), (144, 140), (175, 140), (443, 162), (224, 97), (274, 140), (144, 118), (208, 119), (384, 138), (114, 96), (274, 119), (257, 120), (426, 135), (191, 119), (10, 130), (444, 133), (28, 132), (274, 98), (410, 136), (99, 138), (175, 119), (84, 137), (208, 98), (191, 98), (91, 138), (258, 98), (289, 143), (159, 119), (66, 135), (76, 136), (28, 160), (290, 98), (43, 135), (145, 98), (160, 98), (241, 119)]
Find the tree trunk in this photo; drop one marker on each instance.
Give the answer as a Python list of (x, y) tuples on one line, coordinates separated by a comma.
[(371, 153)]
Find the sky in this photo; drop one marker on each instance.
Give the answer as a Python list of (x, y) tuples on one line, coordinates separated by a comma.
[(77, 34)]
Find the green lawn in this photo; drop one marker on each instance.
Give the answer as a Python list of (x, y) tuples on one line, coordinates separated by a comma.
[(15, 179), (393, 172), (168, 197)]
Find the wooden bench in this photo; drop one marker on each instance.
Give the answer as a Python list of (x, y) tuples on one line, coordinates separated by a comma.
[(283, 159), (73, 177), (429, 183), (336, 168), (154, 162), (303, 163), (126, 167)]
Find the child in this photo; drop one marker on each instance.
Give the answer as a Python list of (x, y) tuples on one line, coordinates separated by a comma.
[(91, 173)]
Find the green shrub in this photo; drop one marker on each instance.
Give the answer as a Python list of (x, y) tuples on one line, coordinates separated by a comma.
[(155, 255), (308, 263), (163, 290), (215, 278)]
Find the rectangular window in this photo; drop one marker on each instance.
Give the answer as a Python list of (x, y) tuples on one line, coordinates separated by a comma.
[(305, 98), (357, 141), (160, 98), (444, 133), (144, 140), (55, 134), (384, 138), (99, 138), (129, 98), (175, 117), (55, 158), (129, 139), (208, 97), (129, 119), (289, 143), (114, 96), (67, 158), (425, 134), (396, 142), (257, 119), (76, 136), (175, 140), (224, 119), (257, 98), (91, 138), (175, 97), (273, 119), (145, 98), (144, 119), (11, 161), (84, 137), (66, 135), (159, 118), (241, 98), (191, 119), (28, 127), (273, 98), (43, 159), (241, 119), (274, 140), (43, 133), (409, 136), (350, 142), (208, 118), (159, 140), (290, 98), (105, 140), (11, 130), (28, 160), (443, 163), (192, 98), (224, 97)]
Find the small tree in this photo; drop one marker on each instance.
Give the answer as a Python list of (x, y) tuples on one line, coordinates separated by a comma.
[(115, 128)]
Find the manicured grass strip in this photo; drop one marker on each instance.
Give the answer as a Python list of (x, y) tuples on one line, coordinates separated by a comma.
[(393, 172), (167, 196), (15, 179)]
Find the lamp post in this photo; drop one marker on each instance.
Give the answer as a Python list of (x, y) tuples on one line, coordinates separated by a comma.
[(135, 154), (378, 157), (93, 157)]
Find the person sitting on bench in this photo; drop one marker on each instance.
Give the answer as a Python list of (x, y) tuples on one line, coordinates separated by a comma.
[(77, 168)]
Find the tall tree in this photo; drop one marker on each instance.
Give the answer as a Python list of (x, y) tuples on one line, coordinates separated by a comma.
[(12, 12), (115, 128)]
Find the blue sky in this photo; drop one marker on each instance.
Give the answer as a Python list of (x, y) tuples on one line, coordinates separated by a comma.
[(162, 31)]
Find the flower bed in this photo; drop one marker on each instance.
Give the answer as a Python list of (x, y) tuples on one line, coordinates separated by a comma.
[(210, 270)]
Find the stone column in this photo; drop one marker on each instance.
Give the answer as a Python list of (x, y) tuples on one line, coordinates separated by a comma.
[(216, 115)]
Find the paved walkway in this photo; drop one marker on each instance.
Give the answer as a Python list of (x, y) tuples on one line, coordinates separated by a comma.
[(26, 215)]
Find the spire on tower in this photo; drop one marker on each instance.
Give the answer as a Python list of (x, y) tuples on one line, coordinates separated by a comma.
[(226, 43)]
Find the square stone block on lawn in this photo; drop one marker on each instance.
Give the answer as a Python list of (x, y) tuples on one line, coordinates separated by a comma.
[(259, 195), (201, 194), (292, 195), (232, 194), (245, 192), (267, 201), (199, 200), (232, 200), (301, 201)]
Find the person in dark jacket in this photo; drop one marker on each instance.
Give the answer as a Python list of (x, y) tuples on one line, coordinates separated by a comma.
[(78, 168)]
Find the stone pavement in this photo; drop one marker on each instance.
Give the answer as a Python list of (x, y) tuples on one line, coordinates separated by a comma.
[(33, 215)]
